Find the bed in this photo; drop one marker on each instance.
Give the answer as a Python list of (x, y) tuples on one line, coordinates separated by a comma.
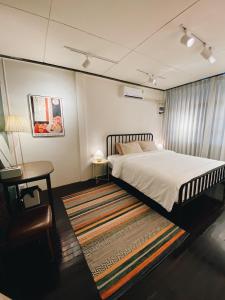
[(164, 176)]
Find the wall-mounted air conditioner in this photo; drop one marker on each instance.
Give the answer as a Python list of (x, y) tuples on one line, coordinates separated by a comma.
[(133, 92)]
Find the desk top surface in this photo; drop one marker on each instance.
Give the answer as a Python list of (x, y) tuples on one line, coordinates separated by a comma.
[(31, 171)]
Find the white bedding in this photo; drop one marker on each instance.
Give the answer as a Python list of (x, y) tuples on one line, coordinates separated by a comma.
[(160, 174)]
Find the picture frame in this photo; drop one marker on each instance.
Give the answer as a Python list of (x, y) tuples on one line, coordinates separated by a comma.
[(46, 113)]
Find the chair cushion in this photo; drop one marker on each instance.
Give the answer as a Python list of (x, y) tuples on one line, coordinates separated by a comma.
[(32, 223)]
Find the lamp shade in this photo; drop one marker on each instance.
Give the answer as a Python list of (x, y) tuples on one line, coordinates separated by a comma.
[(208, 54), (15, 123), (160, 146), (98, 155)]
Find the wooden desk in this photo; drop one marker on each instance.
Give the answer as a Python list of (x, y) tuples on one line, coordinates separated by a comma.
[(32, 171)]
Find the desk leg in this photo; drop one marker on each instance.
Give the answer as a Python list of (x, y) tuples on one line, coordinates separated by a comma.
[(50, 196), (17, 192), (11, 208), (7, 199)]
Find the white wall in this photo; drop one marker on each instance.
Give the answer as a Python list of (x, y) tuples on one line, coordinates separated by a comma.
[(26, 78), (105, 111), (93, 108)]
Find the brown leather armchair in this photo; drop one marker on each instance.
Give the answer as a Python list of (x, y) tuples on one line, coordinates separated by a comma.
[(4, 219), (31, 225)]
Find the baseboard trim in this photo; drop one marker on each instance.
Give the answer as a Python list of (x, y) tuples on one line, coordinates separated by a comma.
[(67, 189)]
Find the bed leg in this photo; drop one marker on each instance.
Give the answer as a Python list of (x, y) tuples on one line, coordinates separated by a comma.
[(179, 214), (223, 200)]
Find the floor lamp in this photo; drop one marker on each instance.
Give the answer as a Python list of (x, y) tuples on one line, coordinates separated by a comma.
[(14, 123)]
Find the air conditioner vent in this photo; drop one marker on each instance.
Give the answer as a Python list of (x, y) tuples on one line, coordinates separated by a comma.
[(133, 92)]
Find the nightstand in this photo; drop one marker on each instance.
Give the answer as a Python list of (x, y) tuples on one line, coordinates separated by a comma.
[(100, 170)]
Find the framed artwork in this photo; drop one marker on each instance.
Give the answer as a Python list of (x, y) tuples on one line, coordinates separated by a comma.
[(46, 116)]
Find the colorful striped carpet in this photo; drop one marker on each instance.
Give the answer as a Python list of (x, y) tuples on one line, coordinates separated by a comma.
[(120, 236)]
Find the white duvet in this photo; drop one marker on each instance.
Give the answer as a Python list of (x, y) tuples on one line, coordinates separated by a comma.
[(160, 174)]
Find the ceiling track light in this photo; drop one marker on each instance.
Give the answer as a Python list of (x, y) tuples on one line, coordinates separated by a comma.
[(87, 61), (208, 54), (152, 79), (189, 39)]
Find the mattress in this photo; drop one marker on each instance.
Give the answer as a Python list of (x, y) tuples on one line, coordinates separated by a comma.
[(160, 174)]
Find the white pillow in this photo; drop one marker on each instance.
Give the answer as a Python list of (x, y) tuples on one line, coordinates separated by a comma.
[(148, 146), (129, 148)]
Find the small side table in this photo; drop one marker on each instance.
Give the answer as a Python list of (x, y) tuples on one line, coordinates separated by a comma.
[(32, 171), (100, 169)]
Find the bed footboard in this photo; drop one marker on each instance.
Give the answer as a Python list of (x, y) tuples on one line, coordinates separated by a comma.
[(196, 186)]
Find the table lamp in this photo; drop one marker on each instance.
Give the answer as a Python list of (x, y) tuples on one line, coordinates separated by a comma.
[(98, 156), (160, 146), (15, 123)]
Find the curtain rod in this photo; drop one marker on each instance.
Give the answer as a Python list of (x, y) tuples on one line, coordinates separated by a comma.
[(75, 70)]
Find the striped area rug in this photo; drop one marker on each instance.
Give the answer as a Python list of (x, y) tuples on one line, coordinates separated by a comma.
[(120, 236)]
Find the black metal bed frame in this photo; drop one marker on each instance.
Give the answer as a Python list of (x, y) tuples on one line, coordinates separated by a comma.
[(112, 139), (190, 189)]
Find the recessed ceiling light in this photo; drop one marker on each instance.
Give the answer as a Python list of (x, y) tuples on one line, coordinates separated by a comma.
[(187, 40), (208, 54)]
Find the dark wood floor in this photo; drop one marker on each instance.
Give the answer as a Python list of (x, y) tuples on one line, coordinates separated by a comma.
[(195, 271)]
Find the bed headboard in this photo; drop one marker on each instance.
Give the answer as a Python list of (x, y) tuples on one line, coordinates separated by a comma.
[(112, 139)]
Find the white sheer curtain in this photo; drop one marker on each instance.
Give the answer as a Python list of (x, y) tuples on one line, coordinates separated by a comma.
[(195, 118)]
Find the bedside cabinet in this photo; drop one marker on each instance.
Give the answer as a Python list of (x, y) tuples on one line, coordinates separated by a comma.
[(100, 170)]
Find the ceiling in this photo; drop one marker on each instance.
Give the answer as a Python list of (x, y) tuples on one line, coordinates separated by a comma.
[(139, 34)]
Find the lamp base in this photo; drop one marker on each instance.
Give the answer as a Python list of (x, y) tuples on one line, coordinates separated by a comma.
[(99, 159)]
